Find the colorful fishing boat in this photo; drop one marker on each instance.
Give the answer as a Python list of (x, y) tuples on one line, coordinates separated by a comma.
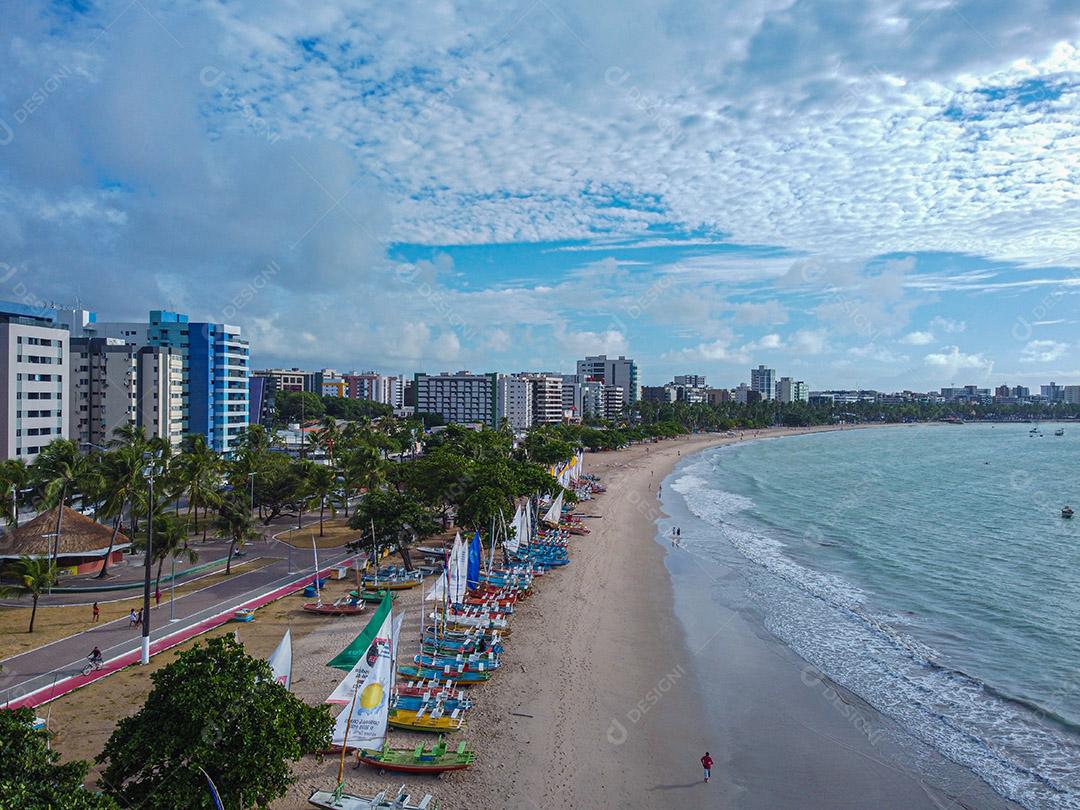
[(419, 759), (430, 690), (460, 678), (436, 719), (415, 703), (345, 606), (464, 663), (339, 800)]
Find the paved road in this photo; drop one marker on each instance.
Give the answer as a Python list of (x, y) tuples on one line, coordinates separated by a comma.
[(61, 659)]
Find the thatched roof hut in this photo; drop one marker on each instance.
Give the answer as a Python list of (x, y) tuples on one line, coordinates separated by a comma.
[(83, 542)]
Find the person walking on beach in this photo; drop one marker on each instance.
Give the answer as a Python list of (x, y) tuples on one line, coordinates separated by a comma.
[(97, 612), (706, 763), (131, 618)]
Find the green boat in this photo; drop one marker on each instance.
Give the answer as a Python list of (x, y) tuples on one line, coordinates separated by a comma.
[(374, 596), (419, 759)]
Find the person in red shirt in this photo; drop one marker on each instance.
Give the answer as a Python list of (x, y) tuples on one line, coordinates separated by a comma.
[(706, 763)]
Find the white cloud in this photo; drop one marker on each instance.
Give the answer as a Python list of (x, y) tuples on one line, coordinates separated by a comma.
[(879, 354), (1043, 351), (767, 313), (770, 341), (951, 360), (809, 341), (948, 325), (918, 338)]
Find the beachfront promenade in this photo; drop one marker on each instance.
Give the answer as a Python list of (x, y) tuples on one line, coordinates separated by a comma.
[(54, 669)]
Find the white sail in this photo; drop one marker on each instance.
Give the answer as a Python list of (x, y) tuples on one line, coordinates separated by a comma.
[(438, 590), (281, 661), (363, 723), (394, 645), (459, 570), (517, 524), (555, 512)]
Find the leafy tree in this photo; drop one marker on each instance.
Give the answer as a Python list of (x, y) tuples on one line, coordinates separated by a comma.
[(198, 474), (121, 477), (215, 709), (298, 406), (170, 540), (35, 576), (321, 486), (398, 517), (31, 776), (235, 522), (14, 475), (278, 486)]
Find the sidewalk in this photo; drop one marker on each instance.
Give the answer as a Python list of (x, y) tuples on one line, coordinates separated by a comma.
[(45, 673)]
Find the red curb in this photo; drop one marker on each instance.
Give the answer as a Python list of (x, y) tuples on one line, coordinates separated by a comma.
[(62, 687)]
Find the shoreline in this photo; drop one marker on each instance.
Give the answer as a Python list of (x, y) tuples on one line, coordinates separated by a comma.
[(837, 750)]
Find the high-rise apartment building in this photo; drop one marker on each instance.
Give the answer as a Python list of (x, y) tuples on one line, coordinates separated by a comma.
[(515, 402), (789, 390), (286, 379), (547, 397), (34, 367), (763, 380), (160, 393), (621, 371), (102, 395), (460, 397)]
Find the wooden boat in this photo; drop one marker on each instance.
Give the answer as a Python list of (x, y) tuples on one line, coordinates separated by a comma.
[(419, 759), (338, 800), (345, 606), (243, 615), (397, 585), (373, 596), (430, 690), (460, 678), (436, 719), (463, 663), (399, 701)]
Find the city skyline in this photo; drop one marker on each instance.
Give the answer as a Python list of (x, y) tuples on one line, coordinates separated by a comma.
[(890, 209)]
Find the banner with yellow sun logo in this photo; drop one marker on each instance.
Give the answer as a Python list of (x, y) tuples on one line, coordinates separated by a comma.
[(362, 724)]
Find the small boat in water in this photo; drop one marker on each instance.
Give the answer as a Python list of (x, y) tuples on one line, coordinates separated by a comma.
[(1067, 512), (1059, 432)]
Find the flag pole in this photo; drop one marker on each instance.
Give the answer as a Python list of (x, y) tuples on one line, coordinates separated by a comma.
[(345, 739)]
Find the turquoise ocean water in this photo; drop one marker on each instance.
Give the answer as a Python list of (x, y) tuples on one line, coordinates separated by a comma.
[(928, 570)]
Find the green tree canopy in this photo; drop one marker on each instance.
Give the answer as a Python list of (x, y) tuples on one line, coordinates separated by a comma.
[(217, 709), (31, 776)]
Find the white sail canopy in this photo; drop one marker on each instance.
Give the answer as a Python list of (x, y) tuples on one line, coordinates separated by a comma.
[(281, 661), (459, 570), (518, 525), (555, 512), (363, 723)]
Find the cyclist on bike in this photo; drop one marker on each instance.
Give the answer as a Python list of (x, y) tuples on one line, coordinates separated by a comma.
[(96, 657)]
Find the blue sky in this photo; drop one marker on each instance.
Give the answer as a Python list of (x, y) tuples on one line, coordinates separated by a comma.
[(881, 194)]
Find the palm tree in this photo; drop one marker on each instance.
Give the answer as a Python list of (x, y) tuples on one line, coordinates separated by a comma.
[(198, 474), (129, 436), (56, 471), (37, 575), (362, 467), (170, 540), (328, 436), (321, 485), (13, 477), (235, 522), (121, 475)]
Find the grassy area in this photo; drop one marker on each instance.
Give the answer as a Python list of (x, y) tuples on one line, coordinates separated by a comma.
[(61, 621), (336, 533)]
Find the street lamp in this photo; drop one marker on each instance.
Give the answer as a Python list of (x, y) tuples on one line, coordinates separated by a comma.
[(149, 472), (15, 502)]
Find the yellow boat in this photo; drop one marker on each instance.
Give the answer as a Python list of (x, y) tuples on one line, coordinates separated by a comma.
[(400, 585), (426, 721)]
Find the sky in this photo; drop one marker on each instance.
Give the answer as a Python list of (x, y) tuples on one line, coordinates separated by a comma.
[(877, 194)]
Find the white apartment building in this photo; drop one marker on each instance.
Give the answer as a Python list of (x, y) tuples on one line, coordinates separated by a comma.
[(547, 397), (763, 380), (789, 390), (102, 394), (461, 397), (160, 393), (613, 401), (34, 366), (621, 371), (515, 402)]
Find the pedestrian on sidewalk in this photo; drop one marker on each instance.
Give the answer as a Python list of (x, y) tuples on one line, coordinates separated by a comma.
[(97, 612), (131, 618), (706, 763), (139, 618), (157, 596)]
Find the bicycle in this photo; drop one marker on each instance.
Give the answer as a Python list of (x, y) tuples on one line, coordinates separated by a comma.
[(92, 665)]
